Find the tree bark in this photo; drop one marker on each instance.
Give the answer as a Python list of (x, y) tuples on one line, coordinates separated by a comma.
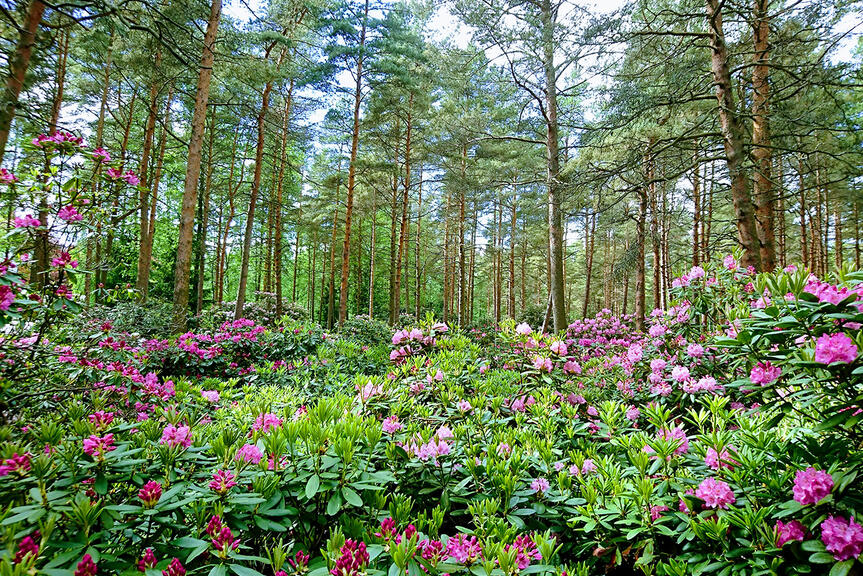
[(277, 256), (555, 220), (193, 171), (403, 230), (256, 188), (732, 139), (18, 64), (762, 182), (143, 276), (352, 173)]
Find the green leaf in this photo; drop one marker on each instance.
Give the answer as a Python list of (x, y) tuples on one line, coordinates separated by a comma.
[(241, 570), (842, 568), (334, 504), (822, 558), (219, 570), (351, 497), (312, 486)]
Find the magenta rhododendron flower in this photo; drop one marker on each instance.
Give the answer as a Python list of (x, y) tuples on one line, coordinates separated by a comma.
[(148, 560), (526, 551), (811, 485), (391, 424), (791, 532), (353, 559), (656, 511), (715, 493), (266, 422), (7, 177), (176, 436), (223, 480), (26, 221), (69, 214), (249, 453), (175, 568), (464, 549), (540, 485), (97, 446), (211, 396), (837, 347), (523, 329), (558, 347), (150, 493), (842, 538), (764, 373), (717, 460), (28, 548), (86, 567)]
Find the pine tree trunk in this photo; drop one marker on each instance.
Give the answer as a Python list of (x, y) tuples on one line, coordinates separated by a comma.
[(62, 58), (203, 220), (417, 286), (696, 213), (18, 64), (352, 172), (193, 172), (143, 277), (762, 196), (461, 247), (403, 230), (512, 222), (555, 218), (282, 162), (331, 294), (372, 251), (256, 188), (733, 139)]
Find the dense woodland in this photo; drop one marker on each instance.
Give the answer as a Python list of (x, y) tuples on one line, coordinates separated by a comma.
[(345, 157)]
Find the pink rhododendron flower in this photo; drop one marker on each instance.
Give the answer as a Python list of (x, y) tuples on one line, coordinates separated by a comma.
[(680, 373), (211, 396), (842, 538), (558, 347), (811, 485), (793, 531), (526, 551), (717, 460), (150, 493), (764, 373), (249, 453), (223, 480), (464, 549), (837, 347), (26, 221), (69, 214), (523, 329), (266, 422), (540, 485), (148, 560), (7, 177), (391, 424), (353, 559), (173, 436), (175, 568), (715, 493), (86, 567), (97, 447), (28, 548), (542, 364)]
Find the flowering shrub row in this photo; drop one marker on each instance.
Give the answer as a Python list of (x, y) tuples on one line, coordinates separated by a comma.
[(724, 439)]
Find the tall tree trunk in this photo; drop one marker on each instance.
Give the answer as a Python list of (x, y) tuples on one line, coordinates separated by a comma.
[(352, 173), (256, 188), (331, 293), (296, 256), (372, 251), (402, 252), (512, 222), (143, 276), (641, 239), (417, 286), (589, 242), (203, 222), (193, 171), (147, 247), (555, 219), (732, 139), (762, 196), (803, 211), (92, 243), (472, 265), (446, 256), (461, 246), (696, 213), (277, 256), (62, 58), (18, 64)]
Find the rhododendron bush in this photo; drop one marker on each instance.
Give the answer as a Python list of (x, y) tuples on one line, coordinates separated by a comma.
[(723, 439)]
